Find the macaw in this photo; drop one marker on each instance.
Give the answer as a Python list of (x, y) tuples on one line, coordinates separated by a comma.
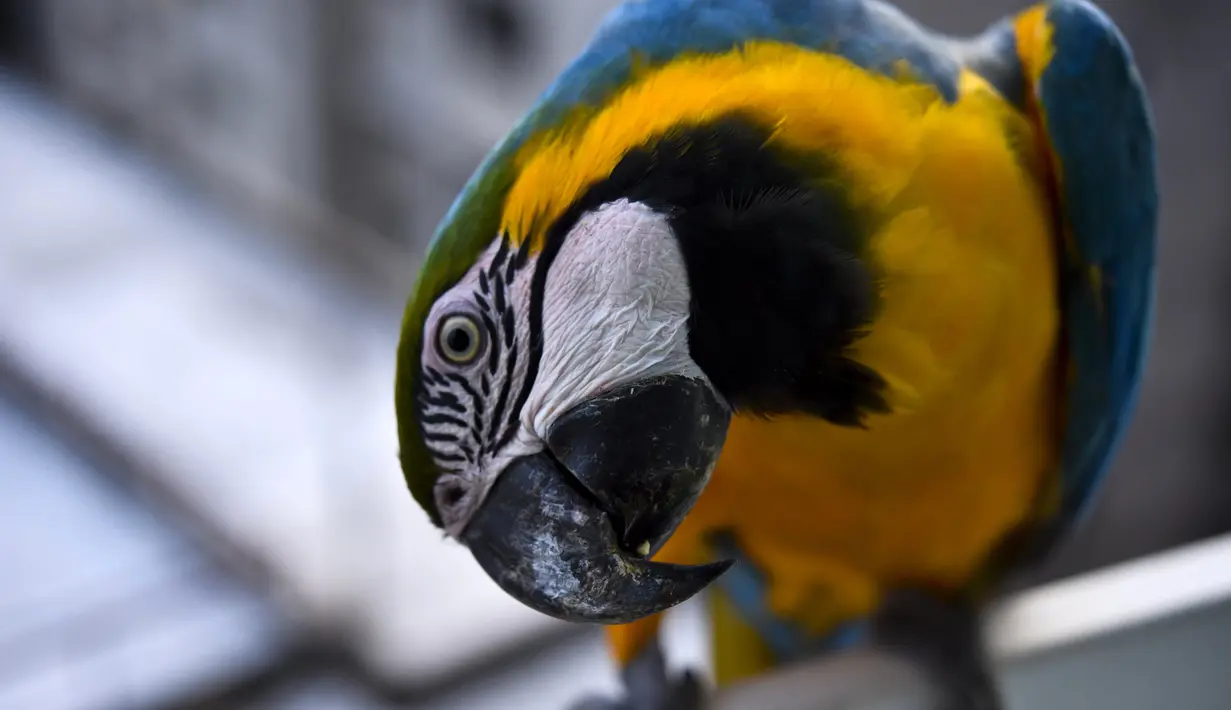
[(797, 301)]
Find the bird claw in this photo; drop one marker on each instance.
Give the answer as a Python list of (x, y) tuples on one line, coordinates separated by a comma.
[(647, 686), (944, 639)]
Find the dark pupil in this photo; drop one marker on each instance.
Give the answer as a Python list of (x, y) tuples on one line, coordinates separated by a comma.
[(458, 340)]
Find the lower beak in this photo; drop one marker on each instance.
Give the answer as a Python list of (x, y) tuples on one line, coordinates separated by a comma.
[(568, 531)]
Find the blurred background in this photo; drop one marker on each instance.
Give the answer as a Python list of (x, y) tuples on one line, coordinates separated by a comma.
[(210, 213)]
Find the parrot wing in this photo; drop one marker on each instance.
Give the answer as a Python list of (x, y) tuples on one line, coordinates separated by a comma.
[(1093, 108)]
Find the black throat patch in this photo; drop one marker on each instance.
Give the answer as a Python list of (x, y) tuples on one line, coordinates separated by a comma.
[(775, 258)]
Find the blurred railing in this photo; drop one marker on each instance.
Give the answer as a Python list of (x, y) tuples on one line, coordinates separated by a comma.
[(1152, 634)]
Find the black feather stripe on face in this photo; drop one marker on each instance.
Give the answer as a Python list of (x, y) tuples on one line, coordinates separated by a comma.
[(446, 398)]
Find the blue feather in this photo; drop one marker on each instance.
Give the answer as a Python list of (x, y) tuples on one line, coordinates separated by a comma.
[(1098, 122), (867, 32)]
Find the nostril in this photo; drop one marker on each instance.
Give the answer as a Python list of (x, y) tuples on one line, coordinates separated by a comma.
[(453, 494)]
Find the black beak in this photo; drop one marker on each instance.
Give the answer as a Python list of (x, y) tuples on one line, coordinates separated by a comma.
[(569, 531)]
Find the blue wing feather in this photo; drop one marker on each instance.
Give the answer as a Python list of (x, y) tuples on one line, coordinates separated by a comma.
[(1098, 122)]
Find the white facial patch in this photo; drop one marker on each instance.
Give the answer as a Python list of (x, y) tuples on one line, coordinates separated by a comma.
[(615, 310)]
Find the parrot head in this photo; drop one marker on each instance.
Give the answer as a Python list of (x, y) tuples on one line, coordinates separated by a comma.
[(610, 287), (569, 429)]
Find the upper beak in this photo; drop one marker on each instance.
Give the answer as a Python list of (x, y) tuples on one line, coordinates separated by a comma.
[(569, 531)]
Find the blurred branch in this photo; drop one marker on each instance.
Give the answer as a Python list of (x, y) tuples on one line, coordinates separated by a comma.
[(89, 439)]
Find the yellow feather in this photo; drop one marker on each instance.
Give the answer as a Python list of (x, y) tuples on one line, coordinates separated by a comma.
[(816, 101)]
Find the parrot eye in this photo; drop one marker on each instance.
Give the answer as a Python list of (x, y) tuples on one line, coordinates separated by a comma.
[(459, 339)]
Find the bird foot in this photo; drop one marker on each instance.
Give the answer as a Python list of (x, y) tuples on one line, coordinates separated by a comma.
[(944, 638), (648, 686)]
